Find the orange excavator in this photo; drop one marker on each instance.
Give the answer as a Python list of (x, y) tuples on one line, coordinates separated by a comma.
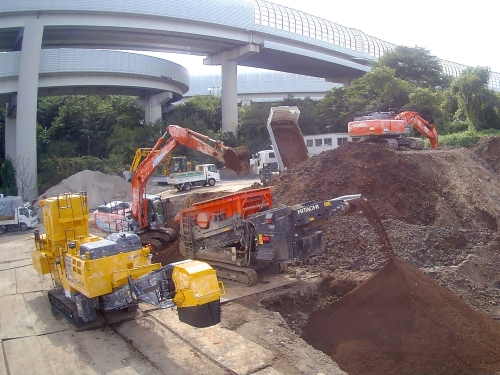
[(393, 129), (148, 214)]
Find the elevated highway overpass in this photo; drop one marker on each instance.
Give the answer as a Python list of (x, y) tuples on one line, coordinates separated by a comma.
[(254, 33), (71, 71)]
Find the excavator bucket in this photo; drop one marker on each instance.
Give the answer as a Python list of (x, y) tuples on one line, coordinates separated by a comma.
[(238, 159)]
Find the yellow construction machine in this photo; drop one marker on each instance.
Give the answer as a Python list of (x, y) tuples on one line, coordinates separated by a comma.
[(115, 273), (173, 164)]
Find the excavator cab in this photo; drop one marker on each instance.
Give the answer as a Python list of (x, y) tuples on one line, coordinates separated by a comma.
[(157, 212), (238, 159)]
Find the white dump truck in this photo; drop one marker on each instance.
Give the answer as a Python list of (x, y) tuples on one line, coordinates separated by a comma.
[(16, 214), (203, 175), (288, 143)]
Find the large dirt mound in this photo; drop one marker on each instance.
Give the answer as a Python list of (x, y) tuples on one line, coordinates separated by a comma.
[(404, 185), (402, 322), (440, 209), (100, 187), (488, 149)]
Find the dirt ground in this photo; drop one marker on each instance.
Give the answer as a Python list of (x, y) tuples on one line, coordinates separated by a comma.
[(440, 209)]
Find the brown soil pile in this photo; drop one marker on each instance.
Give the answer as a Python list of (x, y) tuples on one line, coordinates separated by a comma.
[(402, 322), (403, 185), (488, 149), (440, 208), (392, 181)]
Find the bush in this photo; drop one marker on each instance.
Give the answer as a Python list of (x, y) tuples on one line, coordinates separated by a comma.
[(465, 138), (8, 178), (455, 127)]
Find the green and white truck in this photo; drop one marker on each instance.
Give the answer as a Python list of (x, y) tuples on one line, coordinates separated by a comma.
[(203, 175)]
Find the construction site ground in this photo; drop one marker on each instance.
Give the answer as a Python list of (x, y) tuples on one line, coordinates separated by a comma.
[(434, 309)]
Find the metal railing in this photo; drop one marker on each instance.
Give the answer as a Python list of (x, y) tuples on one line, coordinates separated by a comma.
[(294, 21)]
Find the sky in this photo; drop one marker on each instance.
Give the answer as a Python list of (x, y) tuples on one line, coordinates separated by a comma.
[(463, 32)]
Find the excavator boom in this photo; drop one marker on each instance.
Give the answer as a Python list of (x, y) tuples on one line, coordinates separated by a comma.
[(237, 159), (421, 125)]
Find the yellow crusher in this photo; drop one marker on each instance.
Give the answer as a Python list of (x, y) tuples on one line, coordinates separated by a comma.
[(115, 273)]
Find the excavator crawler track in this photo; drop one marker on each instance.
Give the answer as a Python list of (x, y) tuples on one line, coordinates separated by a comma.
[(156, 245), (412, 143), (65, 307), (159, 239), (241, 275)]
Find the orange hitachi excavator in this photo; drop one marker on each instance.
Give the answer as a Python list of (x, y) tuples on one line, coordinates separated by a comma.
[(392, 127), (148, 213)]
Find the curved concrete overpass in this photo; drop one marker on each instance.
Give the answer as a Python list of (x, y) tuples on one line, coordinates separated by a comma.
[(209, 29), (258, 33), (67, 71), (262, 86)]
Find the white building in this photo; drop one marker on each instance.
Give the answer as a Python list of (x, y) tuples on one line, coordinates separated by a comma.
[(322, 142)]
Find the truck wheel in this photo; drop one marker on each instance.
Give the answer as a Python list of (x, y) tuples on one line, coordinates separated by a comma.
[(211, 181), (178, 187), (187, 186), (2, 229), (23, 226)]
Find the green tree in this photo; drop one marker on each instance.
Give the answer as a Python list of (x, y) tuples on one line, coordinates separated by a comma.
[(8, 177), (207, 109), (415, 65), (123, 142), (427, 103), (333, 111), (252, 130), (48, 110), (87, 121), (479, 104), (377, 90)]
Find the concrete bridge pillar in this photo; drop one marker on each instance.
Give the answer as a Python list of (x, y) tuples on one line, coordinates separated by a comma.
[(229, 99), (24, 127), (152, 105), (10, 135), (229, 71)]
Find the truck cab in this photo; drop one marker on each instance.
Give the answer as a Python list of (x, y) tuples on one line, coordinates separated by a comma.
[(16, 214), (266, 163), (210, 171)]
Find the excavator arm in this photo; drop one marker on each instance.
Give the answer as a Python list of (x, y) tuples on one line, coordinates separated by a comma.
[(414, 119), (237, 159)]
